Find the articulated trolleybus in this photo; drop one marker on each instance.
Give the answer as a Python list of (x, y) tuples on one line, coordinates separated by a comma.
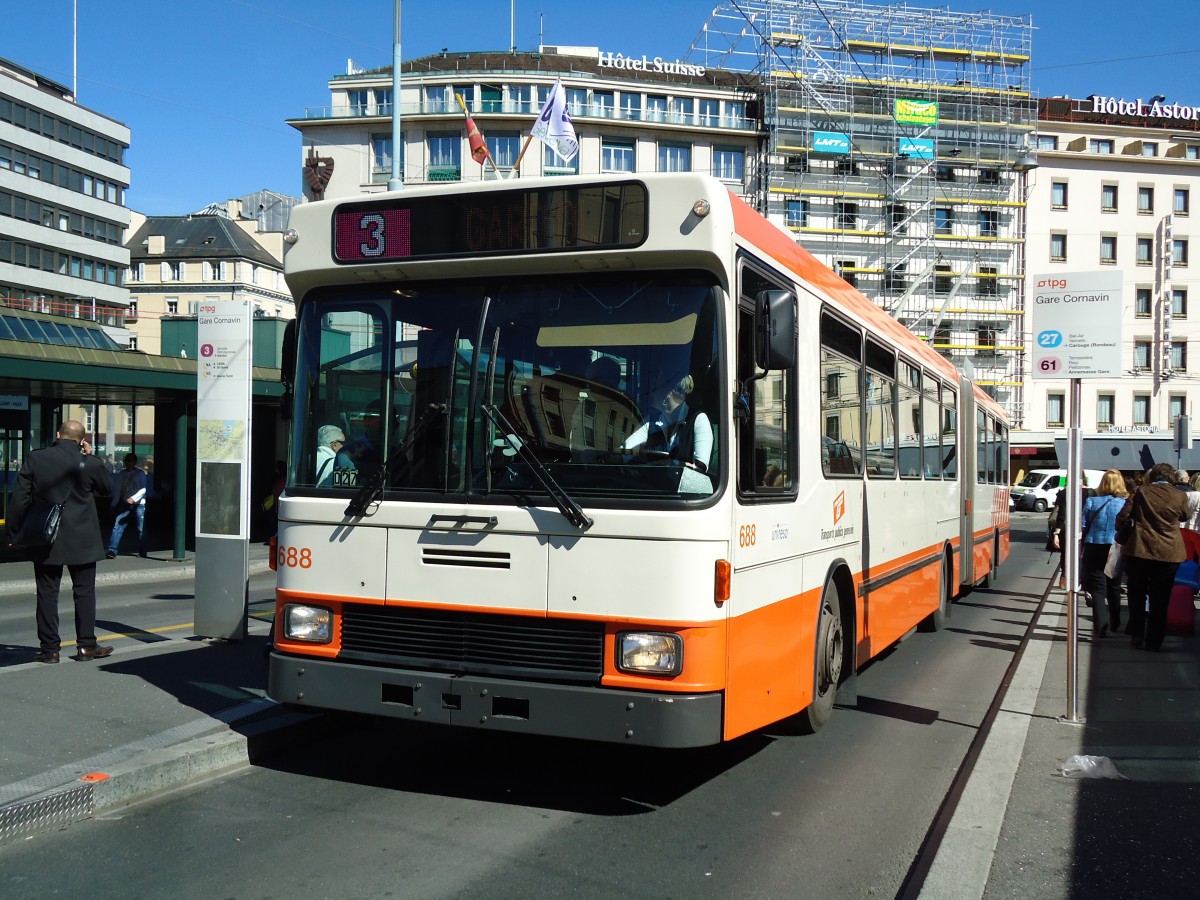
[(609, 458)]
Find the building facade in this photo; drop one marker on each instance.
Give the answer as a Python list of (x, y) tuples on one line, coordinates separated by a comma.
[(177, 262), (62, 203), (1113, 193), (630, 115)]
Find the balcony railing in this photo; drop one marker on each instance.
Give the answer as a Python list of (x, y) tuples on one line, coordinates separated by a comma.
[(531, 110)]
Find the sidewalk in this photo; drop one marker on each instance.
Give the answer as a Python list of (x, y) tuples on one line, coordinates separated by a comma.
[(165, 711)]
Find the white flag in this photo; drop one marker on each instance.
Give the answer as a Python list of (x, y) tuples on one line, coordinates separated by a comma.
[(554, 127)]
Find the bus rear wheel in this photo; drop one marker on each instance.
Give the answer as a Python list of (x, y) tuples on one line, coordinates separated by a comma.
[(830, 656)]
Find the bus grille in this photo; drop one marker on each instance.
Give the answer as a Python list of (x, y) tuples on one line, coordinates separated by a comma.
[(474, 643)]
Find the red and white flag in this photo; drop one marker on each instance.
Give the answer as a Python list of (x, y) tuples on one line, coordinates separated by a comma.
[(554, 127)]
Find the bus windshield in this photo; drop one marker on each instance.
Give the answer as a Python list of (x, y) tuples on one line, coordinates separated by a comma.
[(465, 388)]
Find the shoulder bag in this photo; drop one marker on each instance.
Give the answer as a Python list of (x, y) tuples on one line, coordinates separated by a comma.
[(39, 527)]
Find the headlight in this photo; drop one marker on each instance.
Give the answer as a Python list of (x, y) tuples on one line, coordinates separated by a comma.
[(649, 653), (307, 623)]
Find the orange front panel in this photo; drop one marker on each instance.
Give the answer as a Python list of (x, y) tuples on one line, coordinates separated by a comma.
[(770, 663)]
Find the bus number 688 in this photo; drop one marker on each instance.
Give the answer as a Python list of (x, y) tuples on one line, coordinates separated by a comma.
[(295, 557), (746, 536)]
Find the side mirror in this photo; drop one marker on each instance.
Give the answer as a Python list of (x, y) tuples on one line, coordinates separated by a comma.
[(776, 325)]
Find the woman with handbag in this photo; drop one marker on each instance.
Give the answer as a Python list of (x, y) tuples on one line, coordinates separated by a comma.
[(1148, 530), (1099, 533)]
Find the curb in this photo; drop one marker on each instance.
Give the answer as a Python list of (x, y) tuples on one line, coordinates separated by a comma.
[(157, 771)]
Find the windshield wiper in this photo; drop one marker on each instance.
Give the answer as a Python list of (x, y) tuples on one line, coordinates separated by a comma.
[(372, 491), (568, 507)]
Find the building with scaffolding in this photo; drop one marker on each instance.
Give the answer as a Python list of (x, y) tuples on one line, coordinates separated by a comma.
[(896, 149)]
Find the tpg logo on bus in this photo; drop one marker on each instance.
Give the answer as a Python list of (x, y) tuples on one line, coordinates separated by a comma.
[(839, 507)]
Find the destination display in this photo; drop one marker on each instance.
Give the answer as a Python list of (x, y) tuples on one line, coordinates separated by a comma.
[(588, 217)]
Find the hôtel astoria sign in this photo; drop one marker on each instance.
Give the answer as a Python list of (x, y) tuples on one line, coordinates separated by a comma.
[(1155, 109)]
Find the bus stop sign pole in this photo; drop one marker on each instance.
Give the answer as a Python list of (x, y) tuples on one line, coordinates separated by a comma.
[(1070, 551)]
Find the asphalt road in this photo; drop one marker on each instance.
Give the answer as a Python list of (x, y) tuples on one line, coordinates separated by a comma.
[(393, 809)]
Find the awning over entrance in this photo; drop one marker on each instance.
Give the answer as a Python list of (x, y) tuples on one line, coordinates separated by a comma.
[(1129, 453)]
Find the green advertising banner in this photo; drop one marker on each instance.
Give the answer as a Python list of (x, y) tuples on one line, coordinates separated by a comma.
[(916, 112)]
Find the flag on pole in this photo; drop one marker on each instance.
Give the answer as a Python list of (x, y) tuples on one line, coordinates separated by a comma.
[(479, 150), (553, 127)]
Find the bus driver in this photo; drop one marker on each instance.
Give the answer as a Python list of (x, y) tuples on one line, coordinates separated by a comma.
[(682, 434)]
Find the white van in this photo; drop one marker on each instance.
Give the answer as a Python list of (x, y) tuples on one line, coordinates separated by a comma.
[(1039, 489)]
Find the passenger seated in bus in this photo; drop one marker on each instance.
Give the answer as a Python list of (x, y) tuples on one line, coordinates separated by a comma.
[(682, 434), (365, 451), (330, 439)]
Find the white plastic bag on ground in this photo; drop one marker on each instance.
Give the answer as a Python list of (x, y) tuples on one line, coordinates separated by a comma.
[(1091, 767)]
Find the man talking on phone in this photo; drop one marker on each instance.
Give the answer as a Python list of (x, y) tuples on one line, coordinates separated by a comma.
[(66, 468)]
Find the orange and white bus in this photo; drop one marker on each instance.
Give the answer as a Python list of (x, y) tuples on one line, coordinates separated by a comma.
[(609, 458)]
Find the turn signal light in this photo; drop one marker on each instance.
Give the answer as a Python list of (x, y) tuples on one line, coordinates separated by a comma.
[(721, 583)]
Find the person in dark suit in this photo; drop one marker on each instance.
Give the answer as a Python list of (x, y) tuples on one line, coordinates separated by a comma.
[(1153, 552), (50, 471)]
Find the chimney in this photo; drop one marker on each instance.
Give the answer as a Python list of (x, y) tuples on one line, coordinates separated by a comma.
[(157, 245)]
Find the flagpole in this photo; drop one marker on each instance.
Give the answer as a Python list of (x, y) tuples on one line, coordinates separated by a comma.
[(521, 155)]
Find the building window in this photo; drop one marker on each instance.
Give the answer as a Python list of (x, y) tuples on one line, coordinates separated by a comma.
[(616, 156), (1055, 403), (674, 156), (1191, 151), (898, 214), (988, 284), (553, 164), (1179, 356), (1179, 252), (845, 268), (1177, 404), (1145, 201), (1108, 249), (1142, 303), (1183, 203), (945, 173), (797, 213), (1108, 197), (1058, 247), (132, 345), (1102, 146), (358, 102), (1179, 303), (943, 220), (1149, 148), (847, 216), (504, 147), (989, 176), (729, 163), (631, 107), (1145, 251), (131, 310), (1141, 355), (1058, 194), (1104, 408), (445, 155), (989, 223), (381, 154), (943, 280), (214, 270), (603, 104), (1141, 409), (985, 337), (656, 109), (172, 306), (710, 112), (1047, 142)]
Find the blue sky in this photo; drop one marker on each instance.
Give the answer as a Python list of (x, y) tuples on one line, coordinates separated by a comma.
[(206, 87)]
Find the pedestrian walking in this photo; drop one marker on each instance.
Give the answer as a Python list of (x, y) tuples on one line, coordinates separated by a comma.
[(66, 468), (1099, 532), (129, 501), (1153, 551)]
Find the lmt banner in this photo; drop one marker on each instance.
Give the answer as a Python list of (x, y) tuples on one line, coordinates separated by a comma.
[(223, 376)]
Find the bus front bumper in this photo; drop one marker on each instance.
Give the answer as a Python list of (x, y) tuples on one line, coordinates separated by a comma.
[(575, 711)]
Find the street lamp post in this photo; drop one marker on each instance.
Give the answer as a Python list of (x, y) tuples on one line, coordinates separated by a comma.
[(396, 182)]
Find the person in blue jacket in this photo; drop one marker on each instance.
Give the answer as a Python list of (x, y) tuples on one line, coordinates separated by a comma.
[(1100, 531)]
